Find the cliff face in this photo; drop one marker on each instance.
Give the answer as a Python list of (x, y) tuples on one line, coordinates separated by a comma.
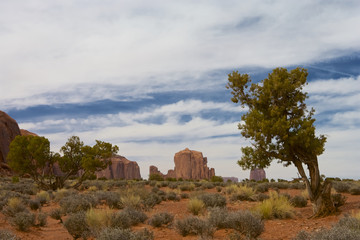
[(120, 168), (9, 129), (257, 174), (189, 164)]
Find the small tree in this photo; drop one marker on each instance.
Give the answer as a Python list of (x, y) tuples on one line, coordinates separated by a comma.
[(280, 127), (31, 155)]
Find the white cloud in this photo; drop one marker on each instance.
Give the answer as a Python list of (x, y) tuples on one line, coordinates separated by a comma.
[(51, 46)]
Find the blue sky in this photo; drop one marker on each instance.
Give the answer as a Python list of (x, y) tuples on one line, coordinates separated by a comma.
[(150, 76)]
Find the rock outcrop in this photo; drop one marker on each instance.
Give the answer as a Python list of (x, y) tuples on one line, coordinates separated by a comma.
[(9, 129), (257, 174), (232, 179), (189, 164), (120, 168), (24, 132)]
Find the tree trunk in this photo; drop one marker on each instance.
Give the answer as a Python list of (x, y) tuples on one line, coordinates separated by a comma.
[(322, 203)]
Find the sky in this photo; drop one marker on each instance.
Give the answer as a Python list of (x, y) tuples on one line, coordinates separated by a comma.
[(150, 76)]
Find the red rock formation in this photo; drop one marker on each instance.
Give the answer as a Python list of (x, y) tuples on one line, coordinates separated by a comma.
[(9, 129), (189, 164), (24, 132), (257, 174), (120, 168)]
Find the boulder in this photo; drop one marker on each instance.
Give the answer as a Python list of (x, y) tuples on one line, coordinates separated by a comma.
[(9, 129), (189, 164), (120, 168), (257, 174)]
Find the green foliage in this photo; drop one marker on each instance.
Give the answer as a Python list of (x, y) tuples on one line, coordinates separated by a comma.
[(277, 206), (34, 204), (31, 155), (14, 206), (76, 203), (97, 219), (216, 179), (156, 177), (76, 225)]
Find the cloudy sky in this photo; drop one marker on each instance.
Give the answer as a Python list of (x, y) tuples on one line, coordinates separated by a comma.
[(150, 76)]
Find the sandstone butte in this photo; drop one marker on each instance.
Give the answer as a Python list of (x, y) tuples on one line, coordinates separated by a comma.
[(121, 168), (189, 164), (257, 174)]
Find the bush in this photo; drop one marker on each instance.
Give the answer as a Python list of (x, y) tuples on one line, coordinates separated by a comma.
[(56, 214), (275, 207), (196, 206), (34, 204), (341, 187), (187, 187), (218, 217), (298, 201), (213, 200), (355, 190), (7, 235), (42, 219), (43, 197), (156, 177), (216, 179), (24, 220), (260, 197), (76, 225), (194, 226), (160, 219), (172, 196), (126, 218), (14, 205), (131, 201), (76, 203), (246, 223), (124, 234), (151, 200), (184, 195), (242, 193), (262, 187), (97, 219)]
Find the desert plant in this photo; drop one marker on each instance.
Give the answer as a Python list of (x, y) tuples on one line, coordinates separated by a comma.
[(43, 197), (338, 200), (275, 207), (14, 205), (151, 200), (56, 214), (194, 226), (262, 187), (42, 219), (131, 201), (124, 234), (8, 235), (246, 223), (76, 225), (260, 197), (187, 187), (342, 187), (355, 190), (34, 204), (218, 217), (23, 220), (172, 196), (196, 206), (127, 218), (76, 203), (298, 201), (160, 219), (184, 195), (213, 200), (97, 219)]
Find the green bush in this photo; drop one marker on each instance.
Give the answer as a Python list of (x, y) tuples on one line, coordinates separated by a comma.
[(262, 187), (43, 197), (172, 196), (76, 225), (14, 205), (151, 200), (298, 201), (23, 220), (216, 179), (127, 218), (194, 226), (156, 177), (161, 219), (276, 206), (42, 219), (184, 195), (34, 204), (97, 219)]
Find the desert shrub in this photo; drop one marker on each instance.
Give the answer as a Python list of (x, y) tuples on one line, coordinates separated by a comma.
[(173, 185), (218, 217), (298, 201), (8, 235), (62, 193), (23, 220), (156, 177), (184, 195), (338, 199), (297, 185), (242, 193), (275, 207), (34, 204), (355, 190), (260, 197), (113, 200), (160, 219), (14, 205), (262, 187), (76, 225), (187, 187), (213, 200), (280, 185), (143, 234), (56, 214), (172, 196), (127, 218), (155, 189), (342, 187), (216, 179), (196, 206), (218, 188), (151, 200), (246, 223), (42, 219), (194, 226), (43, 197), (76, 203), (208, 185), (124, 234), (347, 228), (97, 219), (131, 201)]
